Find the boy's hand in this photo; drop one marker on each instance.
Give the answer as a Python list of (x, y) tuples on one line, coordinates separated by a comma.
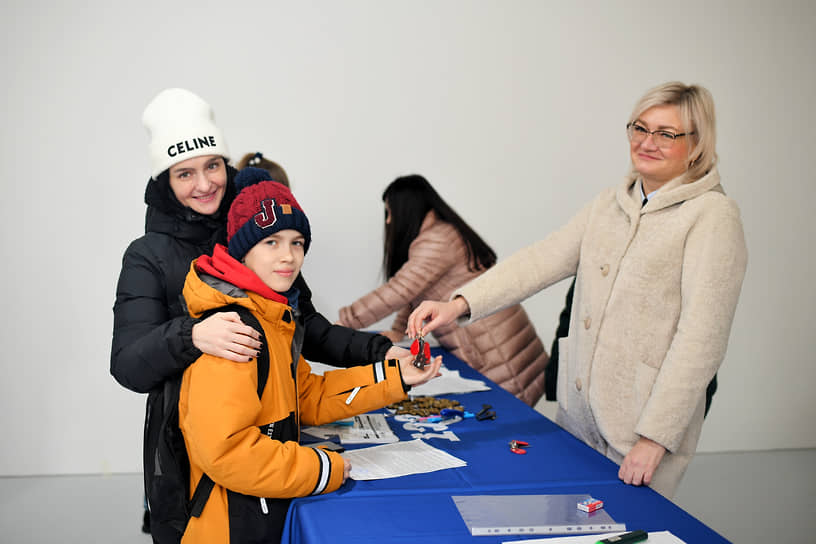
[(412, 375), (346, 469)]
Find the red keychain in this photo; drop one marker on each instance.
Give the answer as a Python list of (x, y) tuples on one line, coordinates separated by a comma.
[(421, 352)]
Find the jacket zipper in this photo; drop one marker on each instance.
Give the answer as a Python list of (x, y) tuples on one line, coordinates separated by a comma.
[(294, 377), (264, 506)]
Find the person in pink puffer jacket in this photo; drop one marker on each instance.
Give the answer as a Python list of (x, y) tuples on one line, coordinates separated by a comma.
[(429, 251)]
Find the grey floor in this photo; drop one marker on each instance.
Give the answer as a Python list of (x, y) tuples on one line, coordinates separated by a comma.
[(749, 498)]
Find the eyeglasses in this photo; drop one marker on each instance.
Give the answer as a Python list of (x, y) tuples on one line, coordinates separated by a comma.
[(663, 139)]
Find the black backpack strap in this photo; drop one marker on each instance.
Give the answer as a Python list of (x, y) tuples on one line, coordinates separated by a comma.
[(249, 319), (200, 496), (205, 484), (263, 357)]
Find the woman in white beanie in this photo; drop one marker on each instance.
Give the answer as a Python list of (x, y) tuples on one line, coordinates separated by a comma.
[(188, 194)]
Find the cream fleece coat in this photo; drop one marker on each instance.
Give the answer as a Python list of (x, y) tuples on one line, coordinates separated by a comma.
[(504, 347), (655, 295)]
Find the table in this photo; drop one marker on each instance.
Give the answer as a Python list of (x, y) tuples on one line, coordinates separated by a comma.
[(419, 509)]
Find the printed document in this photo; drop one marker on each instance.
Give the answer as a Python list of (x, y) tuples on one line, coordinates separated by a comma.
[(399, 459), (370, 428)]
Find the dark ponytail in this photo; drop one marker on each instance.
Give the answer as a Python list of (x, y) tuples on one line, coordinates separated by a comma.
[(409, 199)]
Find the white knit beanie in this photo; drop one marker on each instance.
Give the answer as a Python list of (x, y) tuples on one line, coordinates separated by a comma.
[(181, 125)]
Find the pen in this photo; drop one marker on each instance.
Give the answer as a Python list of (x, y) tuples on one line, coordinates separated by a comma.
[(625, 538)]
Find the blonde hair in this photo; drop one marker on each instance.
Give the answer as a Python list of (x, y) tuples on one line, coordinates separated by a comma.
[(257, 160), (697, 113)]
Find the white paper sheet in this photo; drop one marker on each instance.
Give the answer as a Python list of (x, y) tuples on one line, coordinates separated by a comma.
[(399, 459), (366, 429), (660, 537), (448, 383)]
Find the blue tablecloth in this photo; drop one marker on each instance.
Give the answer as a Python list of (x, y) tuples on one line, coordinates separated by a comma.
[(419, 509)]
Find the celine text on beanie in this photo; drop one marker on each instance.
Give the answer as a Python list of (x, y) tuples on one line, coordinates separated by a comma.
[(181, 126)]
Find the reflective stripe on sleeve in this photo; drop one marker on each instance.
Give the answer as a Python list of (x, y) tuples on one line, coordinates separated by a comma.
[(325, 471)]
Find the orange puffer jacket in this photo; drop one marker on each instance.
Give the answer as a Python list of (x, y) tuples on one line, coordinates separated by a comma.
[(504, 347), (249, 445)]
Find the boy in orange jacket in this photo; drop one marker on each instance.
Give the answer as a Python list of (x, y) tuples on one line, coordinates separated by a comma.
[(246, 441)]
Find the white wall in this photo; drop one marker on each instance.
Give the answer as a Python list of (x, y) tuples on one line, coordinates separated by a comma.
[(513, 110)]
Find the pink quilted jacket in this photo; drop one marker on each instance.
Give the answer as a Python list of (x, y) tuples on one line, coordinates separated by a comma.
[(504, 346)]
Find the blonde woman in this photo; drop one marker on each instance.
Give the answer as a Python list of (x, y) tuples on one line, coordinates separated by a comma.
[(659, 262)]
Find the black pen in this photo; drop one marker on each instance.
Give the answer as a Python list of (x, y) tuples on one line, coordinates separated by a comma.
[(625, 538)]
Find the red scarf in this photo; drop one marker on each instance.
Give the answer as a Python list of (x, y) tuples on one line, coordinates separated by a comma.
[(223, 266)]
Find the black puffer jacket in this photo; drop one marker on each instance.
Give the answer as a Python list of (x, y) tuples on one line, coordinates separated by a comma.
[(152, 332)]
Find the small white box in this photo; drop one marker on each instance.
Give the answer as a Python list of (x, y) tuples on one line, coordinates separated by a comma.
[(590, 505)]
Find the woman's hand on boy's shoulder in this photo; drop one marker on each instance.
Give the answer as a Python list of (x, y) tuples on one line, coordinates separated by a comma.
[(224, 335), (412, 375)]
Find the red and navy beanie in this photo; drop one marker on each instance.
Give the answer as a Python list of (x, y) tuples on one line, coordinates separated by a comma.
[(261, 208)]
